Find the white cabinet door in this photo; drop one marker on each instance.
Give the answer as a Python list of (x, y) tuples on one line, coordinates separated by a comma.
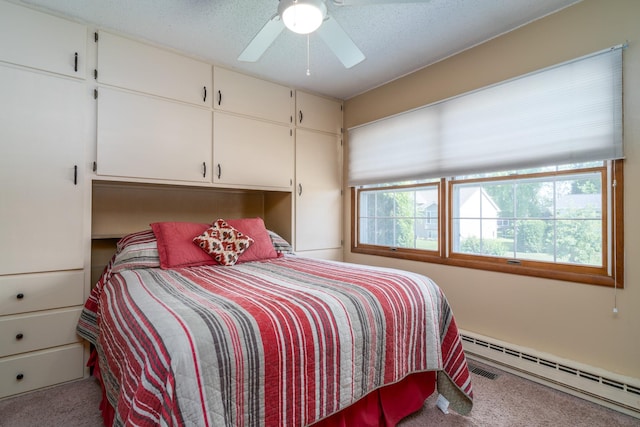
[(132, 65), (42, 41), (242, 94), (318, 113), (145, 137), (252, 153), (318, 191), (43, 130)]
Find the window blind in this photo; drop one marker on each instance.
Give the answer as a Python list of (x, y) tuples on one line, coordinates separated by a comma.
[(568, 113)]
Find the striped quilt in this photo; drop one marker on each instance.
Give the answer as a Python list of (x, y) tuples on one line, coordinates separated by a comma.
[(281, 342)]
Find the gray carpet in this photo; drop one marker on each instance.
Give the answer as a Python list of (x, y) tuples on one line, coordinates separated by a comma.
[(504, 401)]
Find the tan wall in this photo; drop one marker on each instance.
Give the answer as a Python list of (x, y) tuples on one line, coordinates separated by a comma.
[(569, 320)]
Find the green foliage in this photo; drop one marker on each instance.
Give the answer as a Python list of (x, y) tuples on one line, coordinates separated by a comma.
[(586, 186), (575, 240), (473, 245), (530, 236), (395, 211), (579, 241)]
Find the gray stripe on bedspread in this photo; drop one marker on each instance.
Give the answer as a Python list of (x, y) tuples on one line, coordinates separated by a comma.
[(251, 343)]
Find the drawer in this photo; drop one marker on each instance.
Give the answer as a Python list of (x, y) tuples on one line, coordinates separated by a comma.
[(21, 293), (19, 374), (23, 333)]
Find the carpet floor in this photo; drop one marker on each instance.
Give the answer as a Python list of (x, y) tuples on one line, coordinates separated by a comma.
[(507, 400)]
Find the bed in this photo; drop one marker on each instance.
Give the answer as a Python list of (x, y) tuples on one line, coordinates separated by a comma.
[(272, 339)]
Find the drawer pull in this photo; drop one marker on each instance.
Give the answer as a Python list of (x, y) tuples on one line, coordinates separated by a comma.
[(19, 337), (19, 377), (20, 295)]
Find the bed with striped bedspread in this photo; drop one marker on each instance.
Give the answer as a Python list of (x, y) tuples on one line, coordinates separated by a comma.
[(280, 342)]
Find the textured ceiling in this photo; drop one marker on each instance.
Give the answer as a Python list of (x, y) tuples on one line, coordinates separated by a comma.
[(397, 38)]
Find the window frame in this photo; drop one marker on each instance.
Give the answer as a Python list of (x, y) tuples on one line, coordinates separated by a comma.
[(606, 275)]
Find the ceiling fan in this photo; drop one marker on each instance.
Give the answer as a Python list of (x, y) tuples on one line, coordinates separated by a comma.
[(305, 17)]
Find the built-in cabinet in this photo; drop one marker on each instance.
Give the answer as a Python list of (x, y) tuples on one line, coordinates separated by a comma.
[(41, 41), (140, 136), (318, 193), (151, 70), (318, 113), (134, 114), (253, 97), (318, 201), (44, 129), (42, 124), (249, 152), (154, 114)]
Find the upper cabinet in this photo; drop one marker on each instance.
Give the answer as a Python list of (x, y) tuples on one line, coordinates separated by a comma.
[(252, 153), (318, 113), (42, 41), (242, 94), (137, 66), (141, 136)]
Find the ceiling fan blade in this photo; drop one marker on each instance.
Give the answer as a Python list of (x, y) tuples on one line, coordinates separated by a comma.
[(262, 40), (340, 43)]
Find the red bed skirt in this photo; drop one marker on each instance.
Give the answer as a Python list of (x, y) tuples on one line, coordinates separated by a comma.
[(384, 407)]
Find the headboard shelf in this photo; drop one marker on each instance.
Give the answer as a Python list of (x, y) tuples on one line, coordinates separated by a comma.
[(119, 208)]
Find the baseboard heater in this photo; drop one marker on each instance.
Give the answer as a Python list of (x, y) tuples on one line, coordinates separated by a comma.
[(608, 389)]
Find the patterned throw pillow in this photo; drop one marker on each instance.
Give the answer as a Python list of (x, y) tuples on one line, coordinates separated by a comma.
[(223, 242)]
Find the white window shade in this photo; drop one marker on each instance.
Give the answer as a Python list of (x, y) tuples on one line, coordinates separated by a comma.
[(564, 114)]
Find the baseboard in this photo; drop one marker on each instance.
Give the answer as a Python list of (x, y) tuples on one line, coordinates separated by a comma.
[(596, 385)]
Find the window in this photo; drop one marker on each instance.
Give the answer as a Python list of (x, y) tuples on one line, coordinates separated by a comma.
[(400, 217), (430, 184), (556, 222), (556, 217)]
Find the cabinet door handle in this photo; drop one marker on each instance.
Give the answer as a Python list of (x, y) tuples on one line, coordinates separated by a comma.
[(205, 94), (19, 377), (75, 63), (219, 97), (299, 189), (20, 295), (219, 171), (300, 116), (204, 171), (75, 174), (19, 337)]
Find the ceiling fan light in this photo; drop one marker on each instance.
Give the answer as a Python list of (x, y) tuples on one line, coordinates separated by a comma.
[(302, 16)]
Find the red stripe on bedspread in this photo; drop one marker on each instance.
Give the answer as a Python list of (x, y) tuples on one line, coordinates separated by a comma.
[(280, 343)]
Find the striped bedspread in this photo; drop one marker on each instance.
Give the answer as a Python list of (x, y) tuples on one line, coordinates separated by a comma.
[(282, 342)]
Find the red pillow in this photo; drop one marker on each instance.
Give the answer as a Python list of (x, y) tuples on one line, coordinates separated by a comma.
[(175, 244), (262, 247)]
